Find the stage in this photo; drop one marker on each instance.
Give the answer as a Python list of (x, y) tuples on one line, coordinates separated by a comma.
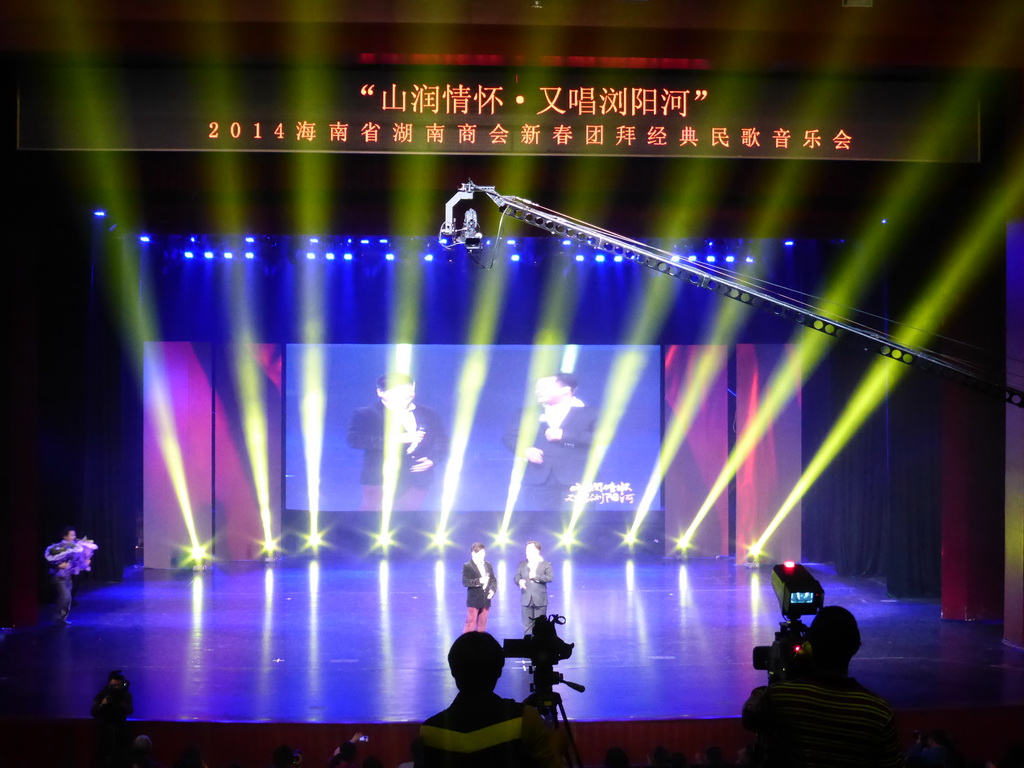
[(364, 641)]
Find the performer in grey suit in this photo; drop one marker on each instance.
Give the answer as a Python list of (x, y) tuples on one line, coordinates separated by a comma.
[(560, 443), (533, 576)]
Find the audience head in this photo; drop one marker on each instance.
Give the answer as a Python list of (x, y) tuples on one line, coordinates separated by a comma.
[(713, 756), (190, 757), (476, 660), (285, 755), (345, 753), (660, 756), (834, 638), (616, 757)]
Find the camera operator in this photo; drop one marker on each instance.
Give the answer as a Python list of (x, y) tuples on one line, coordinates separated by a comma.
[(110, 708), (824, 717), (480, 729)]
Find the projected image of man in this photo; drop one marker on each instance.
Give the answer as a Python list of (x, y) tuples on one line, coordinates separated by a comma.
[(417, 435), (558, 452)]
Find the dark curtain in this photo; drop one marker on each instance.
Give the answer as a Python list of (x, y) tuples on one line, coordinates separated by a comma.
[(913, 547), (846, 513), (874, 511), (111, 469)]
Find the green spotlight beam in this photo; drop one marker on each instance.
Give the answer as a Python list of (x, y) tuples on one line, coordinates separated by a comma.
[(128, 293), (401, 362), (170, 446), (483, 326), (561, 295), (312, 362), (650, 305), (961, 269), (313, 368), (251, 396)]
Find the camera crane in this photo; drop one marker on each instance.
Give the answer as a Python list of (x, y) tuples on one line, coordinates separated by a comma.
[(561, 225)]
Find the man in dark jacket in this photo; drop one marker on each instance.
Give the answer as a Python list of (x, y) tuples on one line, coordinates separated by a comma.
[(480, 729), (397, 433)]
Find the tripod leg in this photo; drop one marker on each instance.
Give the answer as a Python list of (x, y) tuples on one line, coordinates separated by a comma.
[(574, 752)]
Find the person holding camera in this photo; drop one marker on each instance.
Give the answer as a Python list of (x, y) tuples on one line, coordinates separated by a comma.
[(533, 576), (110, 709), (480, 729), (824, 717), (480, 583), (67, 558)]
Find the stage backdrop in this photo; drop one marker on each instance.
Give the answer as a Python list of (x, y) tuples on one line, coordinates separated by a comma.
[(214, 442)]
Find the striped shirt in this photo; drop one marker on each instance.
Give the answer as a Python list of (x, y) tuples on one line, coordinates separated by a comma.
[(832, 723)]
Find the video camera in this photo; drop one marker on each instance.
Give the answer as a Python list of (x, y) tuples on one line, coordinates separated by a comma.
[(799, 594), (544, 648)]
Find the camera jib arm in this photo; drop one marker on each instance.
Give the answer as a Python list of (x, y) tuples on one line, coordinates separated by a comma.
[(560, 225)]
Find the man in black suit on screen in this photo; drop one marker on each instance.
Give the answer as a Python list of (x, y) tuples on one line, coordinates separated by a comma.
[(412, 431)]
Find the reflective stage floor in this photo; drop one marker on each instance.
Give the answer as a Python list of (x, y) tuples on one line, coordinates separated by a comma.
[(364, 641)]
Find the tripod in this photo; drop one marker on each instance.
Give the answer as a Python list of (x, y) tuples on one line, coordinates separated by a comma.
[(549, 704)]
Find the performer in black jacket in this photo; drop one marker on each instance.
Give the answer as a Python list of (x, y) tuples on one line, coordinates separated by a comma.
[(478, 579), (415, 434)]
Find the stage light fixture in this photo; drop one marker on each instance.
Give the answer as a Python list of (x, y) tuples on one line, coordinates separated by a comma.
[(310, 255), (389, 256), (428, 257), (579, 257), (347, 256), (144, 238), (599, 258), (329, 256), (208, 254), (250, 255), (617, 259), (228, 255), (189, 255), (99, 214), (514, 257), (250, 239)]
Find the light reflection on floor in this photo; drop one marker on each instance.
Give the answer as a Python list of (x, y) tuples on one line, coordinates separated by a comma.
[(365, 641)]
